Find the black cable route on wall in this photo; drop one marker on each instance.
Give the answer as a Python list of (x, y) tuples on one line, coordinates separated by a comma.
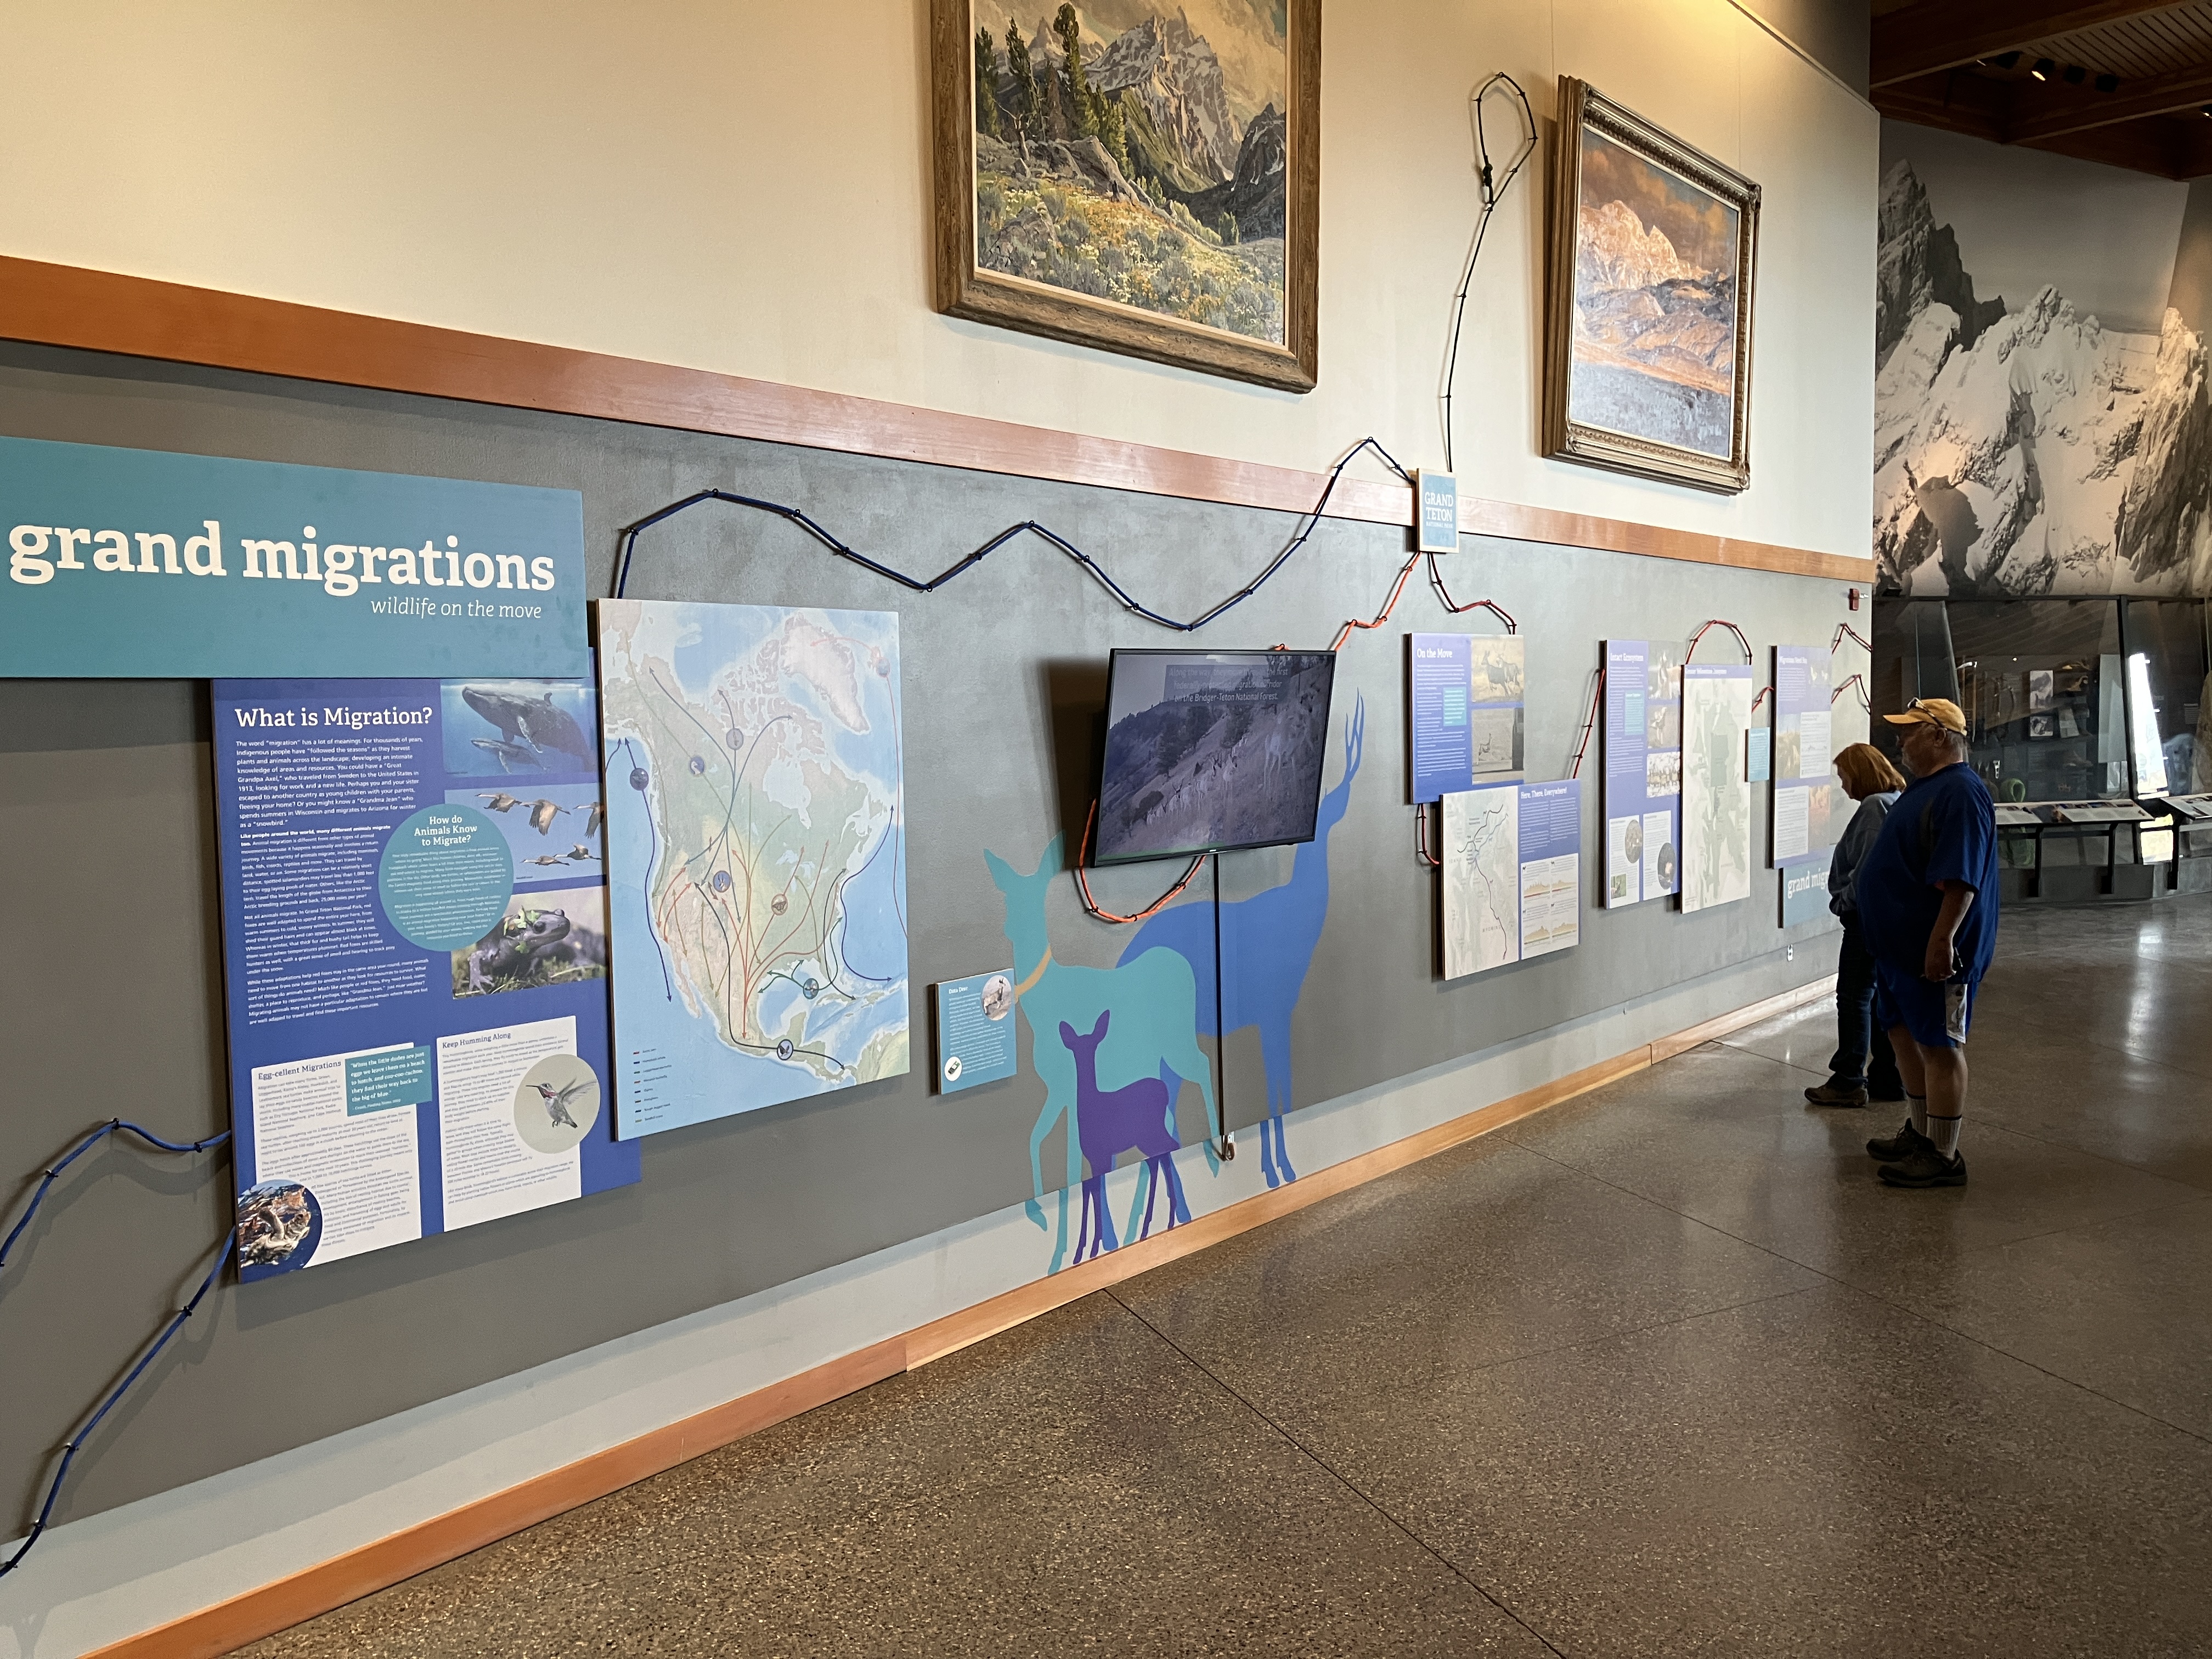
[(76, 1442)]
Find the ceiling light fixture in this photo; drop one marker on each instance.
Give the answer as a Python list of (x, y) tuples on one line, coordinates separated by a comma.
[(2043, 70), (2005, 59), (2108, 83), (2075, 75)]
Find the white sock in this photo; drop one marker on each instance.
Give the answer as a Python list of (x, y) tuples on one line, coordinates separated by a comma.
[(1917, 1105), (1944, 1132)]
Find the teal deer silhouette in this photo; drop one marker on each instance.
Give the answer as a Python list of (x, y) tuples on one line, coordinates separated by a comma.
[(1153, 1033)]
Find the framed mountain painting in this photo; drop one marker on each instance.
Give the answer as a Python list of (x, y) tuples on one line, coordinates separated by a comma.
[(1142, 176), (1653, 255)]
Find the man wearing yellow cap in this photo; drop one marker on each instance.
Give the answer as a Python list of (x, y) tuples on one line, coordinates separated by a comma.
[(1927, 896)]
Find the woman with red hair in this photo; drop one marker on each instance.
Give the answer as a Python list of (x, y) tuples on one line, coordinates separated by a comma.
[(1863, 1067)]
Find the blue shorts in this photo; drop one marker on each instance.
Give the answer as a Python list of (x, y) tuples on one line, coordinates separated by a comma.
[(1937, 1015)]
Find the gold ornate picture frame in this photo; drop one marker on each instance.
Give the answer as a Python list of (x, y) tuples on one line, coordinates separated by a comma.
[(1154, 191), (1653, 264)]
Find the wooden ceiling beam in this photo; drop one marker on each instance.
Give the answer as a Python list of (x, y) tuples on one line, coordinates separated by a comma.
[(1955, 102), (2148, 145), (2194, 148), (2061, 109), (1938, 34)]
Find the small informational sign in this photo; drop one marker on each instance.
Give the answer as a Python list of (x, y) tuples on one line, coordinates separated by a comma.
[(975, 1031), (143, 564), (415, 959), (1758, 755), (1438, 525), (1804, 893), (1467, 692)]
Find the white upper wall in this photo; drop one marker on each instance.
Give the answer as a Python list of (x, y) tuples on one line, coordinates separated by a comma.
[(745, 188)]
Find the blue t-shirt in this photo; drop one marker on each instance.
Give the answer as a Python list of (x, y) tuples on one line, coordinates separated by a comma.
[(1944, 828)]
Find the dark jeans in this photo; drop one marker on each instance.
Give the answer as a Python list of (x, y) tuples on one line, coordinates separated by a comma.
[(1863, 1058)]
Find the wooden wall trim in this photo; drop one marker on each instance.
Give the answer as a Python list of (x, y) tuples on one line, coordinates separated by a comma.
[(301, 1595), (46, 304)]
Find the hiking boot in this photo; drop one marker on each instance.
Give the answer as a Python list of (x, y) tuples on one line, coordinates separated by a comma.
[(1923, 1166), (1829, 1094), (1901, 1145)]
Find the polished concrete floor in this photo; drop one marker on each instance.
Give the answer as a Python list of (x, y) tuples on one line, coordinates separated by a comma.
[(1663, 1371)]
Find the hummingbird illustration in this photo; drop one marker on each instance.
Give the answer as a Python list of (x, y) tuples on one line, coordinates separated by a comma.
[(557, 1101)]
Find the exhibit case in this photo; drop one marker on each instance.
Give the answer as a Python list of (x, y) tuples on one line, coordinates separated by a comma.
[(2083, 713)]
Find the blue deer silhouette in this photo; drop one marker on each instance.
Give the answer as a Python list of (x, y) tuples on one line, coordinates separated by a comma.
[(1154, 1002), (1138, 1117), (1268, 944)]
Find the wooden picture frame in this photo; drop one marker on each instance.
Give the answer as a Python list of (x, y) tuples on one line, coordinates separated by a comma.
[(1259, 326), (1648, 360)]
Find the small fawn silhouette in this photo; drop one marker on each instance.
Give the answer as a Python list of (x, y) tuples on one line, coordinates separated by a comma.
[(1135, 1118)]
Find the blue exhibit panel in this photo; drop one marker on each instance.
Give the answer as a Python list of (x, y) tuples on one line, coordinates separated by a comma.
[(418, 1041), (1803, 802), (1443, 758), (975, 1031), (1551, 819), (1804, 893), (142, 564), (1626, 752), (1807, 807), (1551, 841)]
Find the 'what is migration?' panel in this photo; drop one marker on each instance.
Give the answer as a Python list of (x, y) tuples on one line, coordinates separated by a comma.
[(415, 958)]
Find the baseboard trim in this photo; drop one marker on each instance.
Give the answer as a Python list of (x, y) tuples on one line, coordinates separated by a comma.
[(299, 1596)]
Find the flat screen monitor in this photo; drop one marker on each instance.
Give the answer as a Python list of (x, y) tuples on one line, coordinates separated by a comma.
[(1210, 750)]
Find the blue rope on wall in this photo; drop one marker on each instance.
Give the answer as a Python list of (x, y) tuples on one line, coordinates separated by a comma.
[(76, 1442)]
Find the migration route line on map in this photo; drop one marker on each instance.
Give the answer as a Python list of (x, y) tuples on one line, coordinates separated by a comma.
[(837, 918), (639, 779), (670, 921), (1480, 838), (738, 952)]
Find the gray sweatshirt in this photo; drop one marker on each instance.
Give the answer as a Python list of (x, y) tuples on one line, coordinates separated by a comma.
[(1851, 850)]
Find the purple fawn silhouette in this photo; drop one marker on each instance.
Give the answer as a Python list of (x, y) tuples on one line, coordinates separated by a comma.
[(1135, 1118)]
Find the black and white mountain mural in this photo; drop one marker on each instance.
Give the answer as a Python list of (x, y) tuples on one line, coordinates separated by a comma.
[(2021, 447)]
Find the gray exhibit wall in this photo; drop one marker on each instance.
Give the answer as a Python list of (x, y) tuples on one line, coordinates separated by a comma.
[(110, 997)]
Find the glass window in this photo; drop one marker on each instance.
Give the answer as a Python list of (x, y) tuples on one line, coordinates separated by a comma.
[(2041, 682), (1912, 658), (2167, 661)]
